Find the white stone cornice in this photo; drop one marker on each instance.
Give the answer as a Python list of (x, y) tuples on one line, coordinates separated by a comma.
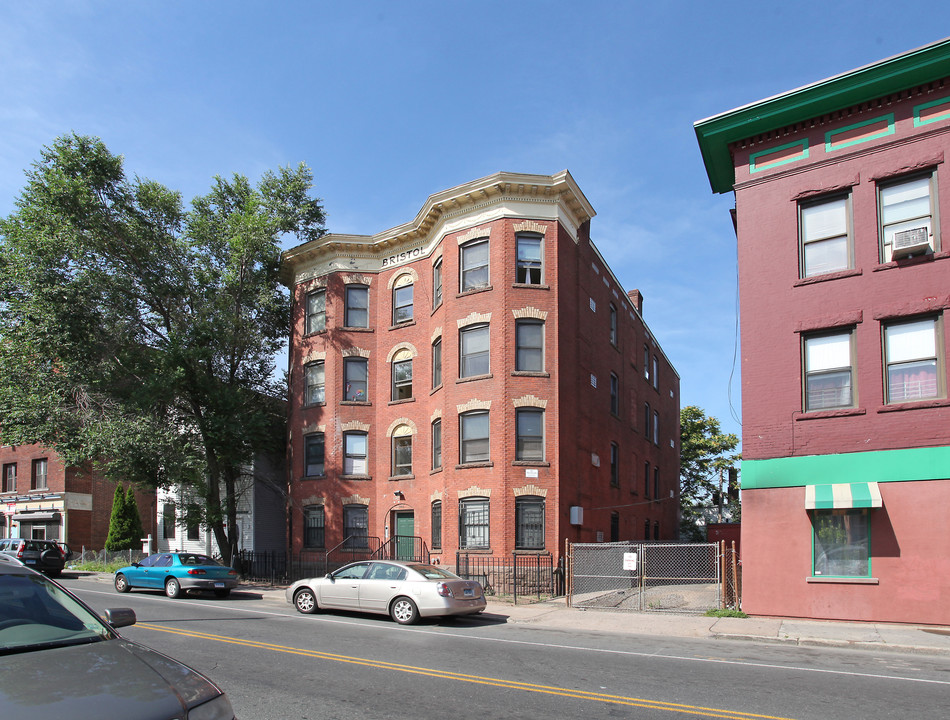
[(473, 234), (313, 500), (400, 347), (473, 318), (314, 357), (520, 196), (533, 490), (529, 401), (530, 226), (355, 425), (354, 499), (406, 277), (473, 405), (354, 352), (402, 422), (474, 491), (530, 312), (436, 415), (312, 428)]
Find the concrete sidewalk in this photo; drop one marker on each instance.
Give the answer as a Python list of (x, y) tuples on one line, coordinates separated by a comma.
[(554, 614)]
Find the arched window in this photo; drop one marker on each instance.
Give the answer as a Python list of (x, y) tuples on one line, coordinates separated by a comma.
[(402, 375), (436, 537), (402, 299), (402, 451)]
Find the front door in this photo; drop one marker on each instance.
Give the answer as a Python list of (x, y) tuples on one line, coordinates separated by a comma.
[(405, 530)]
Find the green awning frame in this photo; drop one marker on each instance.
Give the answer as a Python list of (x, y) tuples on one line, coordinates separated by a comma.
[(843, 496)]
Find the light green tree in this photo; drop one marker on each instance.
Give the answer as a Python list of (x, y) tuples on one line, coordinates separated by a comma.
[(706, 457), (140, 335)]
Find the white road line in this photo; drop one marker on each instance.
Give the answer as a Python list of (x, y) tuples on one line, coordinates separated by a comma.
[(629, 653)]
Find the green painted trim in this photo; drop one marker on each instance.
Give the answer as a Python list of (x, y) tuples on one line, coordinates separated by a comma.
[(829, 142), (933, 103), (878, 466), (803, 155), (907, 70)]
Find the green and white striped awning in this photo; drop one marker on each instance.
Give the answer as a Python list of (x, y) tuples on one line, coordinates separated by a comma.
[(842, 495)]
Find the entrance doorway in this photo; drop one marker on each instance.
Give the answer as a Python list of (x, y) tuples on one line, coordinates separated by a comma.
[(405, 525)]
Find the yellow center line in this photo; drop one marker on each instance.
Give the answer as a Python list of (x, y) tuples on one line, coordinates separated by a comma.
[(495, 682)]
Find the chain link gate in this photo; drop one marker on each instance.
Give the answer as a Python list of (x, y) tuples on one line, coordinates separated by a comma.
[(652, 577)]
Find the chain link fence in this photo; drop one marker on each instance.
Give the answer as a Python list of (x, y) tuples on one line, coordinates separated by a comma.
[(650, 577), (85, 556)]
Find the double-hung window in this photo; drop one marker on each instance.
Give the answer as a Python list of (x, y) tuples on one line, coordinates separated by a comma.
[(402, 451), (38, 481), (355, 526), (314, 524), (437, 444), (473, 437), (528, 265), (825, 236), (316, 382), (9, 477), (402, 300), (529, 523), (614, 394), (614, 464), (613, 325), (529, 345), (829, 371), (354, 453), (473, 523), (912, 360), (474, 351), (437, 362), (474, 265), (356, 314), (906, 211), (314, 454), (436, 535), (402, 375), (316, 311), (529, 442), (437, 284), (355, 379)]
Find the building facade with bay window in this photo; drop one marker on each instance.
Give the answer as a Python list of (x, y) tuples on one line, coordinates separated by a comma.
[(842, 208), (476, 379)]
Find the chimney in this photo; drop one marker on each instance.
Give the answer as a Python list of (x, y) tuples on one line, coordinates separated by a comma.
[(637, 299)]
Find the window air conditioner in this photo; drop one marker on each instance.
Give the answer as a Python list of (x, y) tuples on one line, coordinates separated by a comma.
[(910, 242)]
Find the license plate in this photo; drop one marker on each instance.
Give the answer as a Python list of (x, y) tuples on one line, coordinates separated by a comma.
[(219, 584), (469, 592), (31, 562)]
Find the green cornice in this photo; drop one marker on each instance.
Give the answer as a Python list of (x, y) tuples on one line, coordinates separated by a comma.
[(907, 465), (901, 72)]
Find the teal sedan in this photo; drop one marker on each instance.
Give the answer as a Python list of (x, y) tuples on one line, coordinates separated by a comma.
[(176, 573)]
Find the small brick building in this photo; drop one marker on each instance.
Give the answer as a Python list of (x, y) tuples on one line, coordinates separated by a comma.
[(479, 379), (40, 497), (843, 222)]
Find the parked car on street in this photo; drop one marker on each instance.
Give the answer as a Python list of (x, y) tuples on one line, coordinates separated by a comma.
[(176, 573), (405, 591), (47, 556), (58, 659)]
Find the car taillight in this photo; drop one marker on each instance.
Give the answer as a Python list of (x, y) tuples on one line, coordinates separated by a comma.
[(61, 551), (197, 571), (19, 550), (443, 590), (232, 572)]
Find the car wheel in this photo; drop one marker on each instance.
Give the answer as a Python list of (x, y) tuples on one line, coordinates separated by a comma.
[(222, 593), (305, 601), (122, 583), (172, 588), (404, 611)]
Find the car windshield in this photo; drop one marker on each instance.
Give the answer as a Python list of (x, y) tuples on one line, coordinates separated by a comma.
[(35, 614)]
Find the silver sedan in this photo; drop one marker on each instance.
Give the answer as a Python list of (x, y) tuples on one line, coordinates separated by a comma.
[(405, 591)]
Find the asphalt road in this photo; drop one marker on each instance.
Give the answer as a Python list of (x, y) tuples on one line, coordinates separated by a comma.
[(276, 664)]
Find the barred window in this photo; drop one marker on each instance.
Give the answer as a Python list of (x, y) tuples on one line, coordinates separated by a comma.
[(314, 526), (529, 523), (473, 523)]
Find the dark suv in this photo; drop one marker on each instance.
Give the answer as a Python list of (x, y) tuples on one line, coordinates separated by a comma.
[(47, 556)]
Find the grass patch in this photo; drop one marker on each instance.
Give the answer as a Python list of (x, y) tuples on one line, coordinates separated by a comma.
[(99, 566), (726, 612)]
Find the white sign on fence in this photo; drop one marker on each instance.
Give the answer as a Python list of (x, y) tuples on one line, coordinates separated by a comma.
[(629, 561)]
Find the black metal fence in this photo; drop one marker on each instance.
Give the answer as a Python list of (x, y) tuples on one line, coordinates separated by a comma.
[(518, 575)]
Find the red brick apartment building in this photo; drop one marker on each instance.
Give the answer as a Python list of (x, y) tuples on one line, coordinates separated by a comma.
[(842, 215), (479, 379), (42, 498)]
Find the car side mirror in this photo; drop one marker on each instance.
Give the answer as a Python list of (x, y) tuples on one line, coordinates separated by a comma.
[(329, 576), (120, 617)]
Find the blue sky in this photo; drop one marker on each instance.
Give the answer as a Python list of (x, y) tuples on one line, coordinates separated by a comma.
[(389, 102)]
